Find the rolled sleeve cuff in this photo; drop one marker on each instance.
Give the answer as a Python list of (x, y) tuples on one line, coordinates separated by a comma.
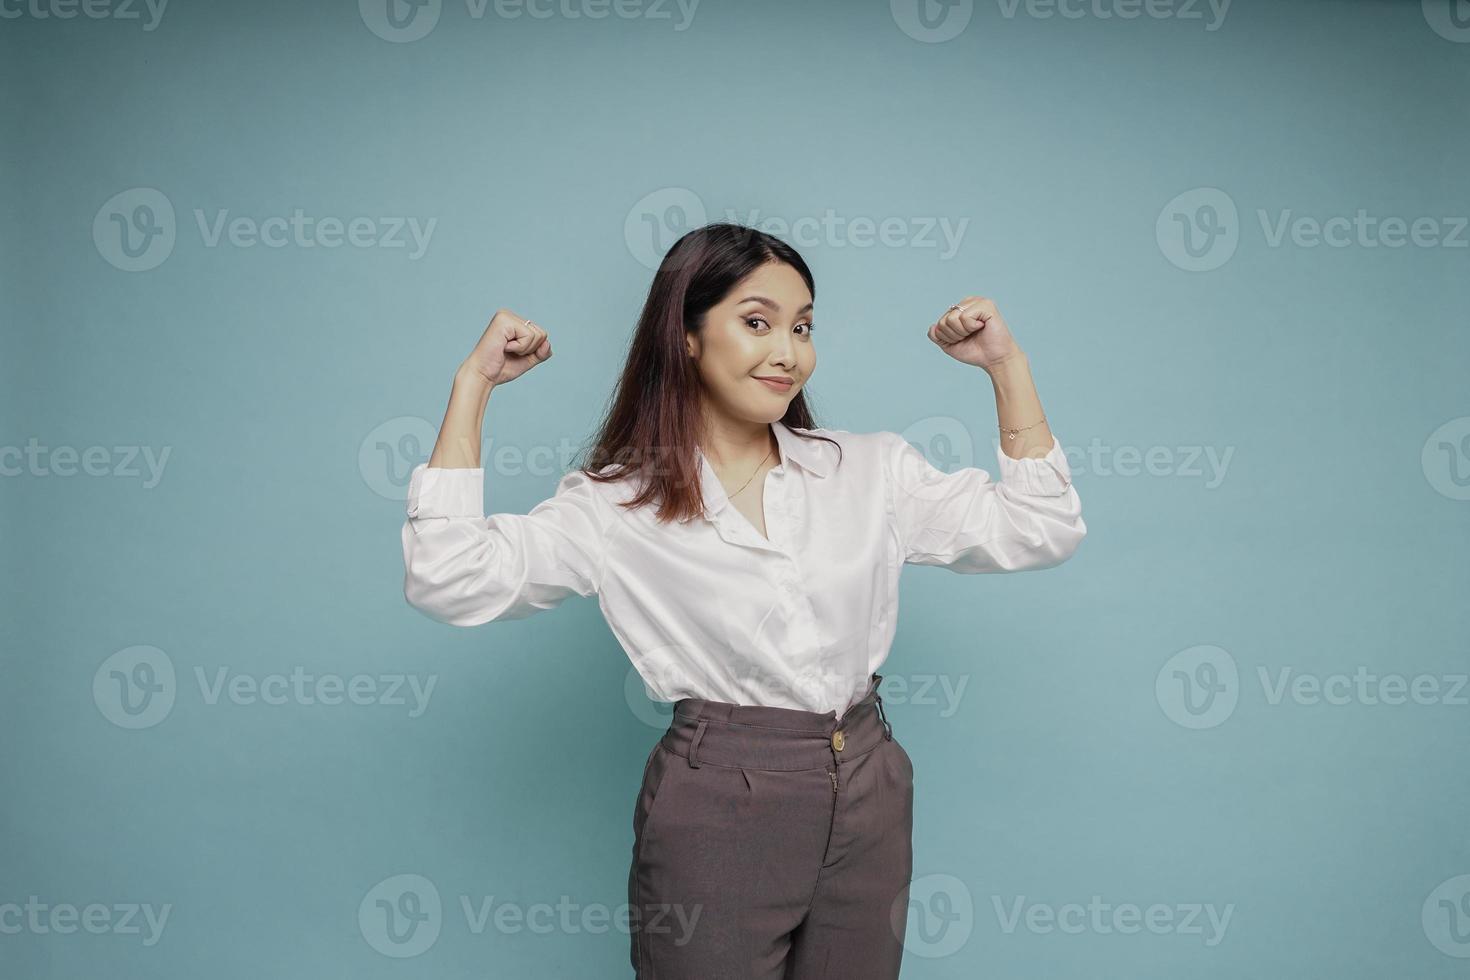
[(440, 492), (1045, 476)]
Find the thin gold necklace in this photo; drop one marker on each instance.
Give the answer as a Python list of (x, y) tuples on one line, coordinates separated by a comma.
[(757, 470)]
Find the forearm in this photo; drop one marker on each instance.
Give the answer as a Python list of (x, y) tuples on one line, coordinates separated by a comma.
[(1017, 406), (458, 445)]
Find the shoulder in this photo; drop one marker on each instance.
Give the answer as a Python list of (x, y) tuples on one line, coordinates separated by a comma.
[(853, 450)]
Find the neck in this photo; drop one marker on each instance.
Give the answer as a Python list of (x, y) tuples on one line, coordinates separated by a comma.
[(739, 445)]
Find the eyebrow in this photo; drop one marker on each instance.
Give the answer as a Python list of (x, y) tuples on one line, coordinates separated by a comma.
[(773, 304)]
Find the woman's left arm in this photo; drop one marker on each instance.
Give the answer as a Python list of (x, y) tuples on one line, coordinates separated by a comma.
[(1032, 518)]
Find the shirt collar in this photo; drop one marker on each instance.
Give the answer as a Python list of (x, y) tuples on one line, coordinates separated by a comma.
[(809, 454)]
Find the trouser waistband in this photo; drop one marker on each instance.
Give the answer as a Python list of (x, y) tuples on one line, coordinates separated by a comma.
[(746, 736)]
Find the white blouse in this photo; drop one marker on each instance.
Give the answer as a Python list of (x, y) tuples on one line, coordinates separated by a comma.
[(708, 608)]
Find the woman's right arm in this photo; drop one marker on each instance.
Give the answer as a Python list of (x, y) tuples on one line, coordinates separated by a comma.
[(463, 568)]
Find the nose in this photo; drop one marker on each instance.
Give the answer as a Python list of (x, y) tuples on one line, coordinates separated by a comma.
[(784, 350)]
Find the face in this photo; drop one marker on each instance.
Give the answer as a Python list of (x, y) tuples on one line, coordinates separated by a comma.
[(762, 329)]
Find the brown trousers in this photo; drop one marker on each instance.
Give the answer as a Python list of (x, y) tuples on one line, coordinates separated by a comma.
[(772, 844)]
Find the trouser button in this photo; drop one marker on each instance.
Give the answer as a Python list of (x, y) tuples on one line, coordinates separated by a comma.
[(838, 740)]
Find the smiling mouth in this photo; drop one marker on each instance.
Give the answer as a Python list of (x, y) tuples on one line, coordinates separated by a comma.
[(776, 385)]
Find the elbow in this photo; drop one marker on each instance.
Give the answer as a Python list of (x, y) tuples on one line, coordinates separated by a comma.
[(450, 589), (1060, 544), (1055, 531), (445, 602)]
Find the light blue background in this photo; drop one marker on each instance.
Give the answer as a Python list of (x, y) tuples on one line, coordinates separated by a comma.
[(1335, 540)]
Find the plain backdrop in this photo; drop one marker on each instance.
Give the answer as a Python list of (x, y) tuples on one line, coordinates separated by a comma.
[(1232, 242)]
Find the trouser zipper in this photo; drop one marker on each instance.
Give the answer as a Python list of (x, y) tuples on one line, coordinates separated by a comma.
[(833, 774)]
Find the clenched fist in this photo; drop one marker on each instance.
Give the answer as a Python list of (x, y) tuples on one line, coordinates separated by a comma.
[(973, 331), (510, 346)]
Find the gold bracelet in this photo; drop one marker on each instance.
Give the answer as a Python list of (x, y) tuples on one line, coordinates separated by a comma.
[(1011, 433)]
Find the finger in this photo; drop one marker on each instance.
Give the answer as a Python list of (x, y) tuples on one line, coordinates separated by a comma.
[(527, 337), (983, 309), (951, 326)]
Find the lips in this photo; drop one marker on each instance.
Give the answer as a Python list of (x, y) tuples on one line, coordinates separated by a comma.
[(776, 385)]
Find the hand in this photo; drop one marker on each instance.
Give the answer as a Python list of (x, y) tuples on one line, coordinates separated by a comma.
[(975, 334), (509, 348)]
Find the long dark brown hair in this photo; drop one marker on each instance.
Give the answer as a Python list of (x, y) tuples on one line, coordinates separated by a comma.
[(651, 429)]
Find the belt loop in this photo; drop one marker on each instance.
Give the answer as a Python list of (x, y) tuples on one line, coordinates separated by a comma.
[(887, 728), (694, 745)]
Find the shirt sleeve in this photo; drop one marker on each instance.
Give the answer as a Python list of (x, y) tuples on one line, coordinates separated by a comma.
[(464, 569), (965, 522)]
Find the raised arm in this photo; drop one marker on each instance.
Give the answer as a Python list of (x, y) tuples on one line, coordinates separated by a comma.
[(463, 568), (963, 521)]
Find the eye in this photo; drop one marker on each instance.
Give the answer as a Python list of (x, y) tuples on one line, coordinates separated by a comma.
[(752, 320)]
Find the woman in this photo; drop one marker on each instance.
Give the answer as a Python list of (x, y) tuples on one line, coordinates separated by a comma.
[(748, 563)]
